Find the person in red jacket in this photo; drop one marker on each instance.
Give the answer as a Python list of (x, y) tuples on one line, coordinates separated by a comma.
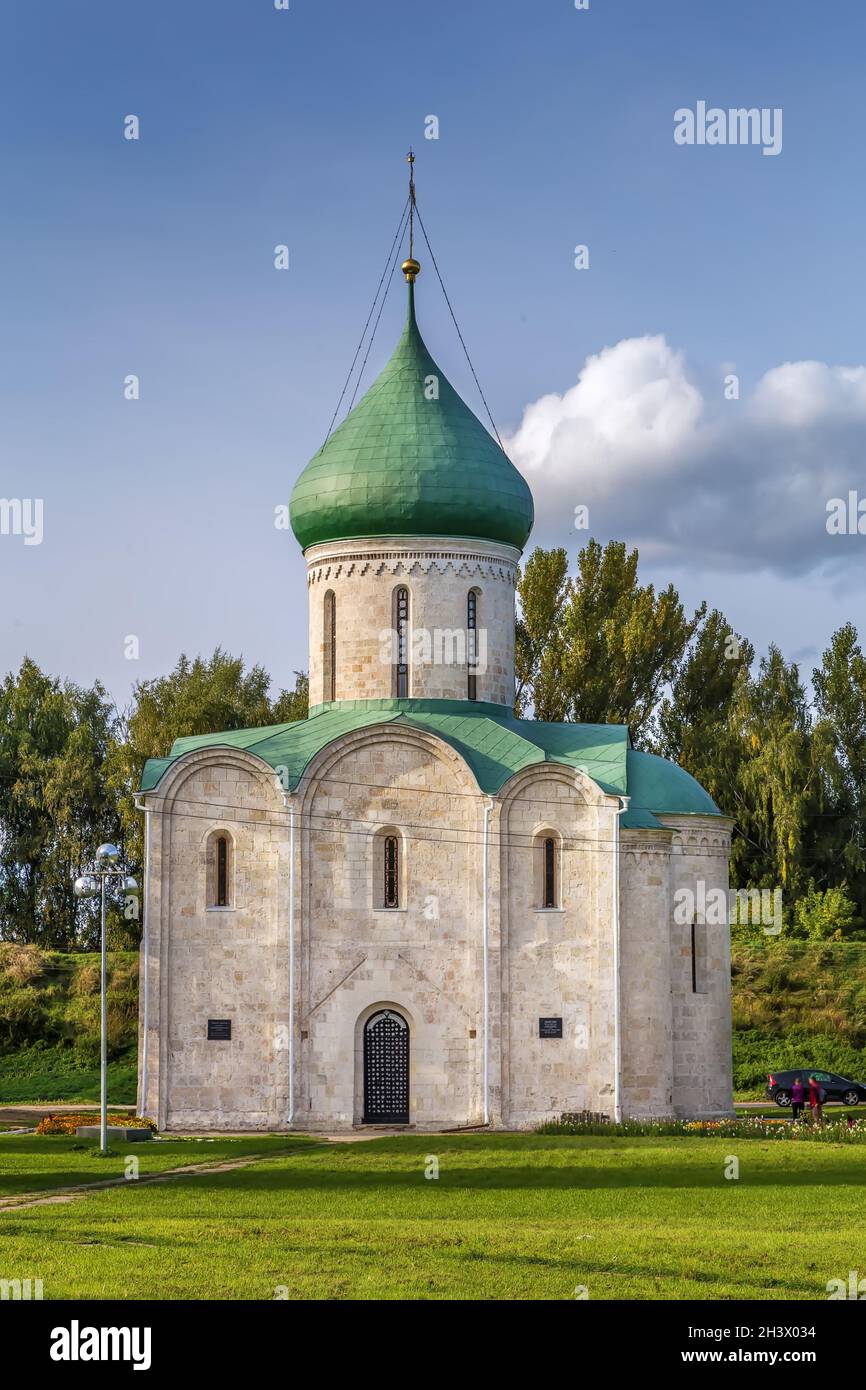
[(816, 1100)]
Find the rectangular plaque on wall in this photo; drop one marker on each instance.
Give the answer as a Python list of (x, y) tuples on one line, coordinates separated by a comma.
[(219, 1030), (550, 1027)]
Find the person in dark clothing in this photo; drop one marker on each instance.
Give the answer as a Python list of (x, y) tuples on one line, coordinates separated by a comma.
[(798, 1097), (816, 1100)]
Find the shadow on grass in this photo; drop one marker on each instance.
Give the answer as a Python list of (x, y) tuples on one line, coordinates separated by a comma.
[(451, 1251), (397, 1167), (180, 1154), (291, 1177)]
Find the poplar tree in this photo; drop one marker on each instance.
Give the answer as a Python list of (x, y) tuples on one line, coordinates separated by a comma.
[(613, 644), (840, 733)]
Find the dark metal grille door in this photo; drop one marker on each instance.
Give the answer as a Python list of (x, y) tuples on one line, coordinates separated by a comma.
[(386, 1070)]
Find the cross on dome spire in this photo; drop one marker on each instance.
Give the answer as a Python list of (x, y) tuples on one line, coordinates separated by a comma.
[(411, 269)]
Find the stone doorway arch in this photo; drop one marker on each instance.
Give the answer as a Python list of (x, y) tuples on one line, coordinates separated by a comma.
[(386, 1068)]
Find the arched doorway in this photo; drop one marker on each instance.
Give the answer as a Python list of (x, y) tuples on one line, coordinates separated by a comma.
[(386, 1069)]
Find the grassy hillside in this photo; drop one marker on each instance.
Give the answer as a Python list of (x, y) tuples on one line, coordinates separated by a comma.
[(797, 1004), (794, 1004), (49, 1025)]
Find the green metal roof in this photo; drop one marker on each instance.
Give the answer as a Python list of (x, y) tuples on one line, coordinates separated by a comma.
[(493, 742), (402, 464), (655, 784)]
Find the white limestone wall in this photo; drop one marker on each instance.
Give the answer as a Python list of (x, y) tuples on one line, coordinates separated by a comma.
[(703, 1084), (439, 574), (556, 962), (646, 972), (423, 958), (228, 963), (354, 956)]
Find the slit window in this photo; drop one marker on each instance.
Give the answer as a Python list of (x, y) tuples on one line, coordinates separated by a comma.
[(330, 652), (471, 645), (402, 644), (549, 867), (222, 871), (392, 879), (699, 958)]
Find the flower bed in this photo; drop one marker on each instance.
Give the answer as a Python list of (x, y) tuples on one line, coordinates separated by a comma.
[(835, 1131), (68, 1124)]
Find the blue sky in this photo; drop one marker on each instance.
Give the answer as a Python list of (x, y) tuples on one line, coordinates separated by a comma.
[(259, 127)]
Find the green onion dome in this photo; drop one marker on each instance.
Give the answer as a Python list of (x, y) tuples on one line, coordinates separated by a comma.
[(411, 460)]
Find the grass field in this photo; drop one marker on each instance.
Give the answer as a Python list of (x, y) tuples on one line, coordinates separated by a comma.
[(509, 1217), (34, 1163)]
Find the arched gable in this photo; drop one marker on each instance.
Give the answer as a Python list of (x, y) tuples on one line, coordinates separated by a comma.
[(169, 794), (326, 762)]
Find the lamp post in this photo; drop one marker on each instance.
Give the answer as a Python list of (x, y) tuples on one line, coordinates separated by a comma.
[(106, 866)]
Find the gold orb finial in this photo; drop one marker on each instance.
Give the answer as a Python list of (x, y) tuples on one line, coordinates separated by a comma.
[(411, 269)]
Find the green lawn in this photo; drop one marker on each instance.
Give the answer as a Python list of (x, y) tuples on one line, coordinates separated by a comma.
[(33, 1162), (510, 1217)]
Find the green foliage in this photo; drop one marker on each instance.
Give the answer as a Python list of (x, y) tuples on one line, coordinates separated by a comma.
[(694, 726), (53, 1074), (20, 964), (197, 697), (542, 591), (598, 648), (774, 793), (291, 705), (756, 1056), (840, 705), (55, 803), (49, 1025), (748, 738), (826, 915), (58, 1009), (69, 769), (797, 1003)]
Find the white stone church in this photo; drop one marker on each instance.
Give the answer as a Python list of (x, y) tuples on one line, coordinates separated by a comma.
[(413, 908)]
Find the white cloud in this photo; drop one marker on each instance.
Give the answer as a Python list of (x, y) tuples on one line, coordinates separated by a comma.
[(693, 477), (803, 393), (631, 402)]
